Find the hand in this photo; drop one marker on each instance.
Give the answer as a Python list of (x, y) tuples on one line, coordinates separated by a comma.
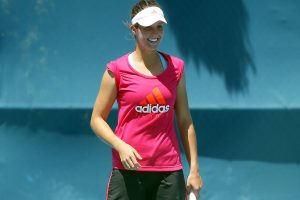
[(194, 184), (129, 156)]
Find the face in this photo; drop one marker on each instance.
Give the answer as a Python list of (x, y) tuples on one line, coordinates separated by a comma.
[(149, 37)]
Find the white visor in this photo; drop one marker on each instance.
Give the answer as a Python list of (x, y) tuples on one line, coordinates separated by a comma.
[(149, 16)]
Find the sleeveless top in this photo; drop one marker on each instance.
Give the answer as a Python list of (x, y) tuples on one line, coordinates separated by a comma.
[(146, 113)]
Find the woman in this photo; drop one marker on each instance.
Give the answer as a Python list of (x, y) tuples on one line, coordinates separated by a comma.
[(149, 87)]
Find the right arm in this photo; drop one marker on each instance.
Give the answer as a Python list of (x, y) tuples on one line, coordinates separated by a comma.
[(102, 107)]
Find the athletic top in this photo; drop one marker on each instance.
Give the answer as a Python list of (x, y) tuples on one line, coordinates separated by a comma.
[(146, 113)]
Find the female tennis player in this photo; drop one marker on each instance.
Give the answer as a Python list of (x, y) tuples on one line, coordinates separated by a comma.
[(149, 87)]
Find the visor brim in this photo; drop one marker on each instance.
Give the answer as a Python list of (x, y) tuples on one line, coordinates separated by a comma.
[(148, 21)]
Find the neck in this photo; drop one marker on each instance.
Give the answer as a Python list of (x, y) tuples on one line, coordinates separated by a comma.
[(148, 57)]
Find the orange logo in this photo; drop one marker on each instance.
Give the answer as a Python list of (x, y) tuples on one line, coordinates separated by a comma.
[(154, 103), (155, 97)]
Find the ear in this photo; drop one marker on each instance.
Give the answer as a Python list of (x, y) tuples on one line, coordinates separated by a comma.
[(133, 29)]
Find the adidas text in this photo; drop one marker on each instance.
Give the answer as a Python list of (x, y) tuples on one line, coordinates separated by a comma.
[(152, 108)]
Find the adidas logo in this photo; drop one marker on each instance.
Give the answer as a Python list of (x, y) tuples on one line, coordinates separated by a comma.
[(152, 108), (154, 103)]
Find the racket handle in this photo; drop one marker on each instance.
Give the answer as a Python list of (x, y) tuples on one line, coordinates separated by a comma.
[(192, 196)]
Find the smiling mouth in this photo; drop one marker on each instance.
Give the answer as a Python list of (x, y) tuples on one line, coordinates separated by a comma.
[(153, 40)]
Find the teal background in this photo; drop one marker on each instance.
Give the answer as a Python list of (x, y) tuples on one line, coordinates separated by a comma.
[(242, 67)]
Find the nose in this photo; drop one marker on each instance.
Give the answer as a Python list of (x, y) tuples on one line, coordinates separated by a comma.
[(156, 31)]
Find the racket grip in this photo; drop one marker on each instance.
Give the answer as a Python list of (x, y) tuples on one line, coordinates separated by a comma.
[(192, 196)]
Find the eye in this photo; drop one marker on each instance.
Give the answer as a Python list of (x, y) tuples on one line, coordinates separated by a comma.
[(160, 27), (148, 28)]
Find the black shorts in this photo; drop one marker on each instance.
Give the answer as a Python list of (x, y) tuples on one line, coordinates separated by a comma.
[(136, 185)]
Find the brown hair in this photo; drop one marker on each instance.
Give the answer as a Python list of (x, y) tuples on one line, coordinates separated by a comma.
[(141, 5)]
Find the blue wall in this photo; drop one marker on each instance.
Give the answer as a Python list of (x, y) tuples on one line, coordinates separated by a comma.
[(242, 67), (239, 54)]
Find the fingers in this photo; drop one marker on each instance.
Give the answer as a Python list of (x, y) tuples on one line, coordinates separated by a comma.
[(137, 155), (197, 193), (136, 165), (125, 164), (130, 162), (194, 189), (188, 188)]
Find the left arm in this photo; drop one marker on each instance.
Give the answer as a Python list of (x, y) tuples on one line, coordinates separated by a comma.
[(188, 137)]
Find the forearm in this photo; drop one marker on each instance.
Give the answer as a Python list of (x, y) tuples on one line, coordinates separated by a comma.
[(104, 132), (189, 142)]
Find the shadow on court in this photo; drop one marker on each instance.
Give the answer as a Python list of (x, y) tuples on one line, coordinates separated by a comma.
[(269, 135), (214, 34), (52, 154), (1, 64)]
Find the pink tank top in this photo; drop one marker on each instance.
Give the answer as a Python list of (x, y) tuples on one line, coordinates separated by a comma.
[(146, 114)]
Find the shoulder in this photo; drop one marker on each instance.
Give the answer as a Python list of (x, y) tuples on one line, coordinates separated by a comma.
[(177, 64), (176, 61), (120, 60), (115, 66)]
